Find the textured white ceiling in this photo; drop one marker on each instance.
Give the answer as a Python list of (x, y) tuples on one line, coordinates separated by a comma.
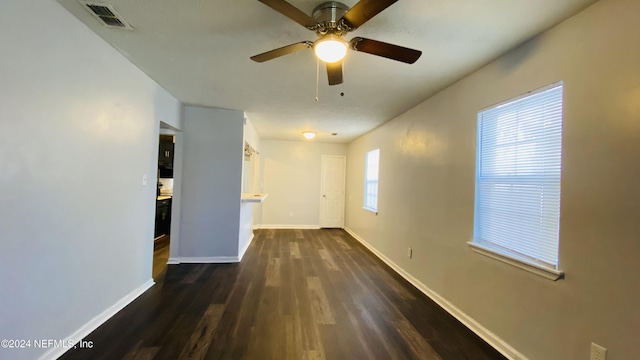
[(199, 51)]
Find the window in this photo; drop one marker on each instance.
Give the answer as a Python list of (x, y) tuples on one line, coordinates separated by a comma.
[(517, 210), (371, 180)]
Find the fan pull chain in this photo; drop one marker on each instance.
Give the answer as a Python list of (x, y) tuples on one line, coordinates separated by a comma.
[(343, 71), (317, 76)]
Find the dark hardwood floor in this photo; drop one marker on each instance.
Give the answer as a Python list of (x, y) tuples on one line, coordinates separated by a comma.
[(160, 256), (298, 294)]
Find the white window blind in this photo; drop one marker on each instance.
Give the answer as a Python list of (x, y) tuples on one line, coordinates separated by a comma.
[(518, 167), (371, 180)]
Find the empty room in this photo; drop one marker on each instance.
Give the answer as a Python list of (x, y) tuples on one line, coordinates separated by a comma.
[(309, 179)]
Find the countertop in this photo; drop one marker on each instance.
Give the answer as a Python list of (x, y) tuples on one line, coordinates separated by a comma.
[(163, 197), (253, 198)]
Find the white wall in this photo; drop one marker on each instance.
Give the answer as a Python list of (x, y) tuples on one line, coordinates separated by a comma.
[(211, 183), (79, 129), (250, 169), (251, 135), (427, 192), (291, 177), (249, 212)]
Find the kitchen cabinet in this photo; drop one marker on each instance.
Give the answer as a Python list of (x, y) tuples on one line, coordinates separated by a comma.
[(163, 217), (165, 156)]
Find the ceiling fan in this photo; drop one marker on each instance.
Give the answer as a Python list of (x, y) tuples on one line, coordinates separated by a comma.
[(332, 21)]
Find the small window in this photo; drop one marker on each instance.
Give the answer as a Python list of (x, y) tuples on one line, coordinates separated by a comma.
[(371, 180), (517, 206)]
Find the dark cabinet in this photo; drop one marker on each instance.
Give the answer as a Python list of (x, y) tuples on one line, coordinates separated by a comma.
[(163, 217), (165, 156)]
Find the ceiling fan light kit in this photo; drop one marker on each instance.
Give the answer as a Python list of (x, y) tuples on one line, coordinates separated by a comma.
[(330, 48), (309, 134), (331, 21)]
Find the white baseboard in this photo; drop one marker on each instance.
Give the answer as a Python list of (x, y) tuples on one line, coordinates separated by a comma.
[(205, 260), (100, 319), (210, 259), (296, 227), (244, 250), (486, 335)]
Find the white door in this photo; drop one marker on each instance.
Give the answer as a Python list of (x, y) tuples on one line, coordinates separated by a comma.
[(332, 191)]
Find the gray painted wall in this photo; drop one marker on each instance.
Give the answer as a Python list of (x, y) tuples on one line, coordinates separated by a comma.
[(427, 171), (291, 177), (79, 129), (211, 182)]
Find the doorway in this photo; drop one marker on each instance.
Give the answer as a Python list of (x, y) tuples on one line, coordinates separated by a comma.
[(164, 200), (332, 191)]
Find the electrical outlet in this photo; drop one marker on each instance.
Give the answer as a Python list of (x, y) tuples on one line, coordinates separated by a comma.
[(598, 352), (409, 252), (144, 180)]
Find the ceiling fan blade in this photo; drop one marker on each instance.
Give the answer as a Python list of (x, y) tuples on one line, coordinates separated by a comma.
[(282, 51), (364, 10), (390, 51), (334, 72), (291, 12)]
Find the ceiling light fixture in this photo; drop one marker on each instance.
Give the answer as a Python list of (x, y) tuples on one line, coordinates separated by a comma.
[(309, 134), (330, 48)]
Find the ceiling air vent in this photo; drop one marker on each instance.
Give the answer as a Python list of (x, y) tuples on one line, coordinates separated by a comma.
[(106, 14)]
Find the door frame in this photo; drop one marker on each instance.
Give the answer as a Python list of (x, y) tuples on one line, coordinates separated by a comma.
[(174, 232)]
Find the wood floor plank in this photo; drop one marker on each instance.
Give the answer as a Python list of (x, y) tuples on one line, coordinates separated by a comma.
[(194, 274), (298, 294), (142, 353), (372, 350), (378, 329), (393, 283), (313, 355), (343, 244), (202, 336), (328, 260), (303, 319), (270, 326), (273, 273), (292, 339), (294, 249), (320, 305), (416, 342)]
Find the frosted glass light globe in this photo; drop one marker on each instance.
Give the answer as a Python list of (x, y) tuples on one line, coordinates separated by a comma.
[(309, 134), (330, 49)]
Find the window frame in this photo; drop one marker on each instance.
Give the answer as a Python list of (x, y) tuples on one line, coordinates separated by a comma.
[(497, 252), (367, 206)]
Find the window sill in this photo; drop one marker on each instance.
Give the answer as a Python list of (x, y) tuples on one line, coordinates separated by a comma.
[(518, 262), (370, 210)]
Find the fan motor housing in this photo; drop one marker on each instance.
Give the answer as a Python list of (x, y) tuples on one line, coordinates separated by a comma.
[(328, 14)]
